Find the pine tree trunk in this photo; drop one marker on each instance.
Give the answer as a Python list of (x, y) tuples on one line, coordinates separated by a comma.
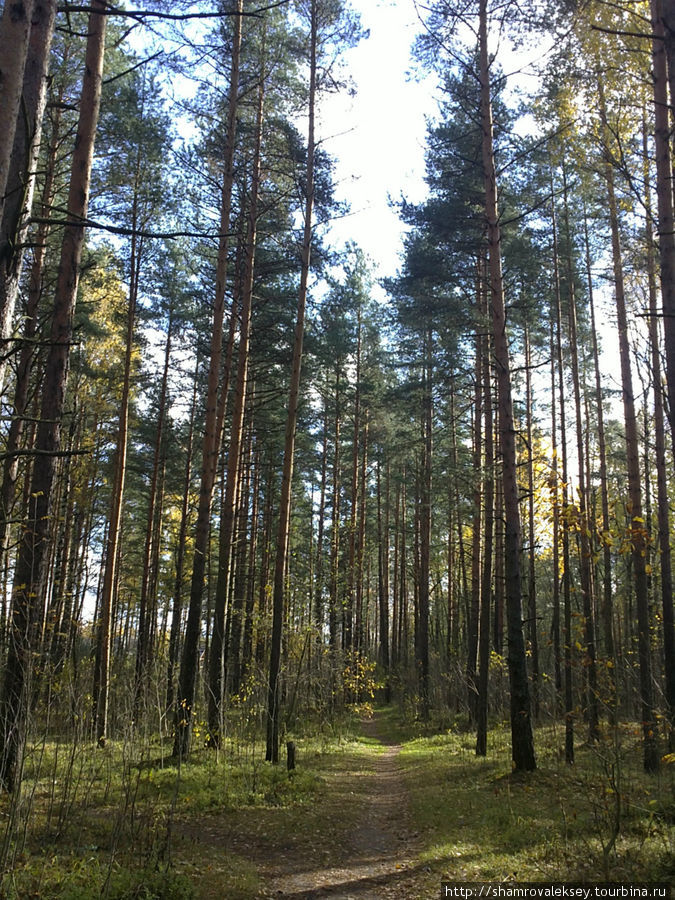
[(335, 524), (15, 28), (177, 611), (143, 648), (637, 533), (567, 599), (553, 485), (112, 546), (382, 574), (215, 409), (425, 528), (18, 199), (588, 600), (477, 523), (10, 468), (31, 568), (531, 580), (351, 559), (522, 745), (662, 501), (361, 614), (274, 696), (607, 595), (486, 575), (229, 506), (664, 190)]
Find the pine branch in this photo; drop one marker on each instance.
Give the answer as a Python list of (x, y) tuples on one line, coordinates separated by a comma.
[(141, 14)]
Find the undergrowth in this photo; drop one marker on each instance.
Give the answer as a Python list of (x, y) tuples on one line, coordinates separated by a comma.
[(600, 819), (125, 822)]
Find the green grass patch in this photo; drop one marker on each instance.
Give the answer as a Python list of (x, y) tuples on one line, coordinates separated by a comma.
[(123, 821), (601, 819)]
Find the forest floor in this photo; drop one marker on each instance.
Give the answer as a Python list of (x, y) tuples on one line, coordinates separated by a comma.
[(371, 852), (385, 808)]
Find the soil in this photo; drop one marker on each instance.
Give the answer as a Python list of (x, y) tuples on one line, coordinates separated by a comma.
[(359, 845), (378, 861)]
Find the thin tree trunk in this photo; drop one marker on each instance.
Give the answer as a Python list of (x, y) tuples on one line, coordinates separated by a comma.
[(486, 577), (228, 510), (335, 524), (213, 426), (607, 601), (588, 600), (477, 523), (177, 612), (15, 28), (662, 499), (273, 697), (112, 546), (351, 560), (143, 649), (18, 199), (361, 617), (425, 527), (567, 599), (382, 574), (522, 745), (636, 529), (664, 192), (31, 568), (531, 581)]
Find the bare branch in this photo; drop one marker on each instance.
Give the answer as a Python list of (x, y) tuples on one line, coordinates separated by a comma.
[(141, 14)]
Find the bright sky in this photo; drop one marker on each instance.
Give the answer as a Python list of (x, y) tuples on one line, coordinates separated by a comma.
[(377, 136)]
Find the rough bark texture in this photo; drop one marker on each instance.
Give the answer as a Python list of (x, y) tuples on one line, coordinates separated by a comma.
[(588, 601), (273, 692), (664, 191), (22, 167), (31, 569), (486, 577), (637, 534), (15, 27), (212, 428), (227, 523), (522, 745)]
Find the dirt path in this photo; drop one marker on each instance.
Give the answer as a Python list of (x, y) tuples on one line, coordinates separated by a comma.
[(380, 859)]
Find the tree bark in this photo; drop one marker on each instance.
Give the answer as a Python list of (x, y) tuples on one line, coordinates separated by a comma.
[(637, 533), (564, 504), (229, 507), (273, 694), (662, 498), (213, 426), (15, 28), (522, 746), (112, 545), (664, 192), (486, 576), (147, 599), (588, 600), (31, 568), (425, 527), (18, 198)]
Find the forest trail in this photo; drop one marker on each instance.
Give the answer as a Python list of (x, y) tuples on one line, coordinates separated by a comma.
[(379, 861)]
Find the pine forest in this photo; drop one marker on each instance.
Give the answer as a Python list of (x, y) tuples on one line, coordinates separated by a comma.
[(319, 579)]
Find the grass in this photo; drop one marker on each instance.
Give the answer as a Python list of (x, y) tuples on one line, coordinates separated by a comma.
[(123, 822), (602, 819)]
